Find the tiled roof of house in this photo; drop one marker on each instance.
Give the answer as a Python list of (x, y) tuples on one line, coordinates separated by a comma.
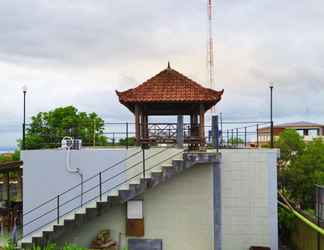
[(169, 86), (299, 124)]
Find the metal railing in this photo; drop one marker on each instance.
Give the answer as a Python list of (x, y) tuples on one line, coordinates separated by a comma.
[(231, 134), (248, 134), (79, 195)]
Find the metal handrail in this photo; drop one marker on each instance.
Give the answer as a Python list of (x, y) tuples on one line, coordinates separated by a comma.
[(90, 189), (85, 181)]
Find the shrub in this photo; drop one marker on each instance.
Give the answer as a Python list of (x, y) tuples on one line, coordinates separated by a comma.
[(72, 247), (10, 245)]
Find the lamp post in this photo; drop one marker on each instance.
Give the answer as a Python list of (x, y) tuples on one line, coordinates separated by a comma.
[(24, 88), (271, 116)]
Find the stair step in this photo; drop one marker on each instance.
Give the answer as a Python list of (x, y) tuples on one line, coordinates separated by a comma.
[(168, 172), (27, 245), (157, 178), (145, 182), (58, 228), (37, 241), (134, 186), (113, 200), (179, 165), (126, 195)]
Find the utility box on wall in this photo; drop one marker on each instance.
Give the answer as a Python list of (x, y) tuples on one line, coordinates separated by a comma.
[(135, 218)]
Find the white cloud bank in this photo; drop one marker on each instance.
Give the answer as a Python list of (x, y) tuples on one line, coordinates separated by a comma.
[(79, 52)]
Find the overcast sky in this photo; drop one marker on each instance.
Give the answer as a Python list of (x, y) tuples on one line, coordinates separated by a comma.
[(78, 52)]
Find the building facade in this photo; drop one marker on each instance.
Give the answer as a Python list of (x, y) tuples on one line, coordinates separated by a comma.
[(307, 130)]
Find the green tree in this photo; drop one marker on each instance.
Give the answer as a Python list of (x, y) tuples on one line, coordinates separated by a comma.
[(291, 146), (47, 129), (304, 172), (131, 141), (10, 156)]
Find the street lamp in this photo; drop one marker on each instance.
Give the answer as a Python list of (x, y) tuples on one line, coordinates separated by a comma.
[(24, 89), (271, 116)]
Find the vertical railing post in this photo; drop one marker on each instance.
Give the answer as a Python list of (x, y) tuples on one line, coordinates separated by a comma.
[(257, 133), (215, 132), (271, 118), (237, 138), (221, 127), (23, 146), (245, 136), (58, 209), (143, 150), (127, 135), (232, 137), (100, 186), (228, 137), (114, 138), (24, 124)]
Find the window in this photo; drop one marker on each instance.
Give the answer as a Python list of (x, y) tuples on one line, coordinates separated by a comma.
[(313, 132), (300, 132), (135, 209)]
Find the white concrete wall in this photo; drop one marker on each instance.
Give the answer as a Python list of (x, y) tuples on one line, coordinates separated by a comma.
[(45, 176), (249, 199), (180, 212)]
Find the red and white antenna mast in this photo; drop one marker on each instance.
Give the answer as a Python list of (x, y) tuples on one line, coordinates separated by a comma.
[(210, 47)]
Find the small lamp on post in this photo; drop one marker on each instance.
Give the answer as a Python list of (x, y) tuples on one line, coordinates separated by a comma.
[(24, 89), (271, 116)]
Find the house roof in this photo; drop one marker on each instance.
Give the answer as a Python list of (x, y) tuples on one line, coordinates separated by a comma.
[(170, 86), (301, 124)]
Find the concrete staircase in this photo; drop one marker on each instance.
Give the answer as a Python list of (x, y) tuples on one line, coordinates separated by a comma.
[(79, 217)]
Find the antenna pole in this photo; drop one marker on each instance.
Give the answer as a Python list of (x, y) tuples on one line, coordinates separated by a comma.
[(210, 48)]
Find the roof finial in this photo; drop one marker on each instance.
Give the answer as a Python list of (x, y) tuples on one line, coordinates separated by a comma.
[(169, 67)]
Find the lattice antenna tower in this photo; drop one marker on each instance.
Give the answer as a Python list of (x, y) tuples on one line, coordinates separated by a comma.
[(210, 48)]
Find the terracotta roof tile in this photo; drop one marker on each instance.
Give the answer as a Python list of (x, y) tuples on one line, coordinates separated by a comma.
[(169, 86)]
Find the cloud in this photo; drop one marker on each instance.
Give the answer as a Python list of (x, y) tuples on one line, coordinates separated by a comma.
[(79, 52)]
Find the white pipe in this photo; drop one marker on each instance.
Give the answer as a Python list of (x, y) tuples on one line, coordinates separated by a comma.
[(68, 145)]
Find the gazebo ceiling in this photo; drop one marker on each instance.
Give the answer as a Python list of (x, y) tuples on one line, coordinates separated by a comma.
[(169, 93)]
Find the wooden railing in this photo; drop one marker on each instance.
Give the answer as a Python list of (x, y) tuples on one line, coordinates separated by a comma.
[(10, 165), (167, 133)]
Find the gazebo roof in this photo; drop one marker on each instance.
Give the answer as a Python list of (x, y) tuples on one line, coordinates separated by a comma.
[(169, 87)]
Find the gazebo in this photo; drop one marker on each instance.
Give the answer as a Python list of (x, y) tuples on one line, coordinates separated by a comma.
[(170, 93)]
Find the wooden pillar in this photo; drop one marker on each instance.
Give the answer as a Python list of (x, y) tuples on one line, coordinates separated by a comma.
[(194, 124), (202, 124), (191, 124), (142, 126), (19, 185), (137, 124), (146, 132)]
